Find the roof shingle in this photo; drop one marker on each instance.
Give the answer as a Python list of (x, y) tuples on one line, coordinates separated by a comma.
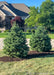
[(18, 9), (21, 7)]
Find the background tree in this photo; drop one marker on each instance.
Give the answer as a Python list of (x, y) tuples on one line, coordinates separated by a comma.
[(46, 16), (32, 15), (47, 6), (18, 21), (42, 16)]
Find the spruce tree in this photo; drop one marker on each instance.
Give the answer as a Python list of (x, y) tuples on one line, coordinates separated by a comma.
[(15, 43), (40, 40)]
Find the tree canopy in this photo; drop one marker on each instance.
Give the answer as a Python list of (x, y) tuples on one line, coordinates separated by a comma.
[(42, 16), (31, 20)]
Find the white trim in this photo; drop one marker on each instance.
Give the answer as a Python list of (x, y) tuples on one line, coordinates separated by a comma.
[(10, 10)]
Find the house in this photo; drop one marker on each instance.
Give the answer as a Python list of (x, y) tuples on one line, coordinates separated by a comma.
[(9, 11)]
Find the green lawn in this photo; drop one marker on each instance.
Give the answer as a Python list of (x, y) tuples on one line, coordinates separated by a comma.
[(3, 35), (28, 35), (32, 66), (50, 35)]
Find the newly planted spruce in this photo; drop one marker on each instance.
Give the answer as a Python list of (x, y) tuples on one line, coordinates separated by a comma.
[(15, 43), (40, 40)]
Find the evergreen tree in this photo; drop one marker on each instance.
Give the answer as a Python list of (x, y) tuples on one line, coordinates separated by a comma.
[(40, 40), (15, 43)]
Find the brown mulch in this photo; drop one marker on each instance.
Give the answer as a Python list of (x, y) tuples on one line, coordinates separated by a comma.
[(31, 54)]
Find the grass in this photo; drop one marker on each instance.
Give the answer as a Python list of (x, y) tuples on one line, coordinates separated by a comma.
[(51, 36), (3, 35), (28, 35), (34, 66)]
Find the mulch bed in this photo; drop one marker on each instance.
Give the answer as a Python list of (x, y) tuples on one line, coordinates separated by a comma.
[(31, 54)]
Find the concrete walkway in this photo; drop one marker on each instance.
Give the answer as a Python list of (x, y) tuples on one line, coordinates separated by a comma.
[(52, 42), (2, 43)]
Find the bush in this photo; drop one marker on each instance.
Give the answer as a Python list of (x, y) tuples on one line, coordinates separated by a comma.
[(6, 31), (33, 30), (28, 30), (18, 21), (40, 40), (15, 43), (0, 31)]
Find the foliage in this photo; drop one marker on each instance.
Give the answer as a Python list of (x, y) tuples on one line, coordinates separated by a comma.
[(43, 16), (47, 6), (18, 21), (6, 31), (28, 30), (15, 43), (32, 30), (40, 40), (46, 16), (32, 15)]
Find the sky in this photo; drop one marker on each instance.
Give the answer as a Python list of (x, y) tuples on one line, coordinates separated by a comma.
[(27, 2)]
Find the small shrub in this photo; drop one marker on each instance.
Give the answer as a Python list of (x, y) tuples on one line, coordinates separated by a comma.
[(0, 31), (6, 31), (33, 30), (19, 21), (28, 30), (40, 40), (15, 43)]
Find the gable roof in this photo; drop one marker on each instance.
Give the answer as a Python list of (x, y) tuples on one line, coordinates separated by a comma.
[(18, 9), (2, 13), (21, 7), (7, 11), (3, 2)]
